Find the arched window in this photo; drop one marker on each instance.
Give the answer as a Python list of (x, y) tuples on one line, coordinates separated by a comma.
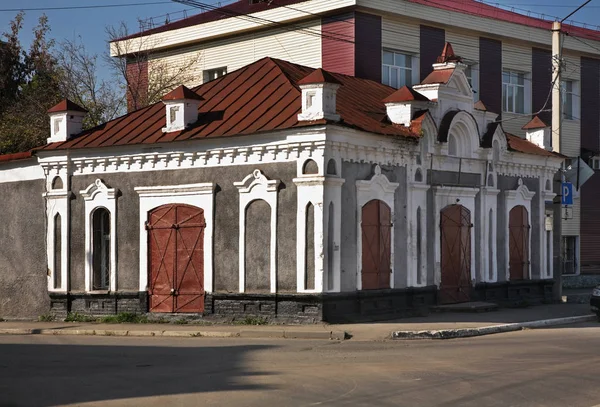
[(57, 252), (491, 259), (490, 180), (310, 167), (101, 249), (331, 167), (418, 175), (57, 183), (419, 248), (548, 185)]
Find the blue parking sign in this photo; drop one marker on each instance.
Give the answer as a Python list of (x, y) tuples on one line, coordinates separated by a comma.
[(567, 194)]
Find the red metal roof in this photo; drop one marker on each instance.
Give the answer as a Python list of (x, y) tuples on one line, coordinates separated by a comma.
[(66, 105), (181, 93), (523, 146), (263, 96), (476, 8), (318, 76), (535, 123), (471, 7), (405, 94), (438, 76), (480, 106), (448, 55), (16, 156)]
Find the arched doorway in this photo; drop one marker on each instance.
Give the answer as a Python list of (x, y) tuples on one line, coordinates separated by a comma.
[(518, 243), (376, 226), (176, 258), (456, 228)]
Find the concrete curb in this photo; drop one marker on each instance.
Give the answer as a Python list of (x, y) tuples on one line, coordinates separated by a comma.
[(489, 330), (281, 334)]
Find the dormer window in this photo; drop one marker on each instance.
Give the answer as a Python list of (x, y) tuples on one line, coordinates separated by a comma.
[(173, 114), (56, 126), (310, 98)]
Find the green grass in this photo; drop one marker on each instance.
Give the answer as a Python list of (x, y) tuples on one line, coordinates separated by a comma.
[(181, 321), (252, 321), (46, 317), (77, 317), (124, 318)]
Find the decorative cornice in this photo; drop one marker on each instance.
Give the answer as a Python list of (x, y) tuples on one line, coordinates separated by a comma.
[(98, 187), (257, 178), (176, 190)]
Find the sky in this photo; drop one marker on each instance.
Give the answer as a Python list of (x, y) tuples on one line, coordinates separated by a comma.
[(90, 24)]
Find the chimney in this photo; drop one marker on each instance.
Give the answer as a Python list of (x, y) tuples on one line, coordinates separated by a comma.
[(539, 133), (402, 105), (181, 108), (66, 120), (319, 96)]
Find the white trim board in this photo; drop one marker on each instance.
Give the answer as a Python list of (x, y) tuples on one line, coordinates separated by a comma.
[(200, 195)]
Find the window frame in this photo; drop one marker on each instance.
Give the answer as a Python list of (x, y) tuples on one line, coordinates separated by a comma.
[(473, 79), (413, 69), (97, 196), (208, 74), (574, 92), (526, 90)]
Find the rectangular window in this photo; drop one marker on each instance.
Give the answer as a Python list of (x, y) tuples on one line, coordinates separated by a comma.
[(397, 69), (567, 89), (211, 74), (513, 92), (595, 163)]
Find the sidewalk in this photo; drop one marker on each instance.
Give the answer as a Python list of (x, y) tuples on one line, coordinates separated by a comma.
[(453, 324)]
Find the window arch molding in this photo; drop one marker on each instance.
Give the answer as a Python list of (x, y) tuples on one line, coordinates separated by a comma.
[(97, 196)]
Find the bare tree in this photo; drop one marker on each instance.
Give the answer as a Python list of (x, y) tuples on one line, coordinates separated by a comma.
[(143, 76), (81, 84)]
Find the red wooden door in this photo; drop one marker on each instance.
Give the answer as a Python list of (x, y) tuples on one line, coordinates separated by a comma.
[(376, 228), (455, 227), (176, 258), (518, 244)]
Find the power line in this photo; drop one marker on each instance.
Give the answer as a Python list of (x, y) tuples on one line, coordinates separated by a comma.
[(84, 7)]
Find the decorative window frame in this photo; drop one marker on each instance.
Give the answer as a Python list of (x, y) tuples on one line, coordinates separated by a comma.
[(199, 195), (417, 194), (520, 196), (380, 188), (95, 196), (57, 203), (254, 187)]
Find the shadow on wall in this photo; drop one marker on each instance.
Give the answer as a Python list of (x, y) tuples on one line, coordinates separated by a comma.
[(79, 374)]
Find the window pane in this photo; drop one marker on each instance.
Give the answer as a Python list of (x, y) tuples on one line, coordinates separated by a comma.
[(408, 61), (504, 98), (388, 58), (520, 99), (394, 78), (399, 60), (385, 75), (521, 79), (101, 249), (408, 81), (403, 79), (505, 77), (510, 98)]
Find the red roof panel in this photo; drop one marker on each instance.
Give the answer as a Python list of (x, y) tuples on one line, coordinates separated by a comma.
[(66, 105), (263, 96), (438, 76), (182, 92)]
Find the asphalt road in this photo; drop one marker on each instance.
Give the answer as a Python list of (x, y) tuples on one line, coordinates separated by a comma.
[(552, 367)]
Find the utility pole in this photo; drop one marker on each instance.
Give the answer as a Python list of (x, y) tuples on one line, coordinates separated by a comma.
[(556, 147)]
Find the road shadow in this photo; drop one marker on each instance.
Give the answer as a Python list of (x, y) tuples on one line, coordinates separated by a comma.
[(50, 375)]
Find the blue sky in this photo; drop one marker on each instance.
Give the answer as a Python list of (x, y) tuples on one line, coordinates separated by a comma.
[(90, 24)]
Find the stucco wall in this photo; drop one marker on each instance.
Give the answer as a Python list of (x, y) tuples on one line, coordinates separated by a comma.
[(23, 264), (226, 222)]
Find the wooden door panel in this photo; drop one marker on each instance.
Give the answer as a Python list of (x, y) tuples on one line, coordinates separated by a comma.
[(376, 245), (455, 225), (176, 241), (518, 246)]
